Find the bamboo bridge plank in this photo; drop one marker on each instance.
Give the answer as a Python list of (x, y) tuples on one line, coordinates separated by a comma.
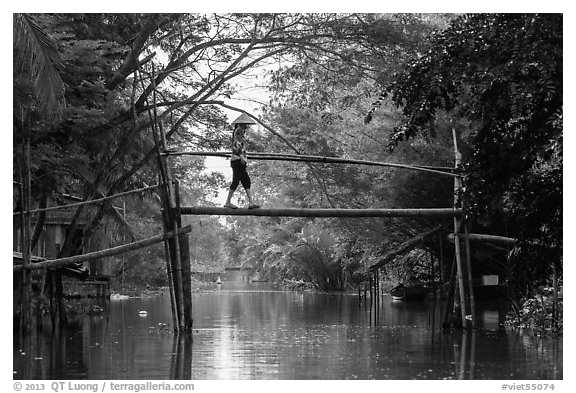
[(297, 212)]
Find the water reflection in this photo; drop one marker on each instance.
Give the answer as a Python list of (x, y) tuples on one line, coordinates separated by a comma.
[(256, 331)]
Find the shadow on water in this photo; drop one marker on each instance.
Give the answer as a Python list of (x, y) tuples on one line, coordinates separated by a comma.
[(256, 331)]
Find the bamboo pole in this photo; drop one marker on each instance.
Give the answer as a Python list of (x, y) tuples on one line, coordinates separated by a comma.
[(28, 243), (441, 264), (450, 295), (457, 189), (169, 221), (171, 202), (170, 275), (164, 200), (179, 286), (432, 284), (377, 279), (25, 306), (488, 238), (173, 256), (463, 355), (121, 194), (376, 298), (184, 248), (22, 240), (472, 356), (318, 159), (296, 212), (371, 293), (469, 269), (167, 251), (52, 263)]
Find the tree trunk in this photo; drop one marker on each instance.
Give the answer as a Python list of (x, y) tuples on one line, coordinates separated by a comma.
[(40, 222)]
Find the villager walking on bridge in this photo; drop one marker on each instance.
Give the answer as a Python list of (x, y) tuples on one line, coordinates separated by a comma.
[(239, 162)]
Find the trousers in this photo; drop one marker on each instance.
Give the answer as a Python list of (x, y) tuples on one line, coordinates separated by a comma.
[(239, 175)]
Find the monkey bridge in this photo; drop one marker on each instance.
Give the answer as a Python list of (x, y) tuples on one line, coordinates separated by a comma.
[(176, 241)]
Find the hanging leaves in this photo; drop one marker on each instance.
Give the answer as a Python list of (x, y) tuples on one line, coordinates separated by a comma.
[(37, 55)]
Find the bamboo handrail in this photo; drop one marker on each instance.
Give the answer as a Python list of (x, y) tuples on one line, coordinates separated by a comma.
[(319, 159), (103, 253), (297, 212), (90, 201)]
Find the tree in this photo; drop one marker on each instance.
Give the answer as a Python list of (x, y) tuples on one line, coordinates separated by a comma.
[(498, 79), (37, 59), (175, 67)]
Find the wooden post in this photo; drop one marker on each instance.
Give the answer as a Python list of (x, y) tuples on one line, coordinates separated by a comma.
[(169, 270), (377, 278), (376, 289), (177, 266), (441, 264), (172, 245), (370, 289), (170, 275), (376, 296), (472, 356), (457, 189), (184, 247), (450, 295), (26, 306), (463, 355), (433, 285), (469, 269)]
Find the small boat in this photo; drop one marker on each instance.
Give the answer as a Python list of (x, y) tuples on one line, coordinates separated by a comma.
[(398, 292), (142, 313), (402, 292)]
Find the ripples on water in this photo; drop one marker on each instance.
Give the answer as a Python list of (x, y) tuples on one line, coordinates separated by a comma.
[(255, 331)]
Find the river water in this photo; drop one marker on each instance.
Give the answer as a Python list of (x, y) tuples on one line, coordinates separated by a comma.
[(257, 331)]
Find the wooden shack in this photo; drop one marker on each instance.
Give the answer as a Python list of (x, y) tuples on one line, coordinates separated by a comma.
[(55, 230)]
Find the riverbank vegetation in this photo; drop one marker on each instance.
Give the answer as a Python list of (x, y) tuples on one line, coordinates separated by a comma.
[(379, 87)]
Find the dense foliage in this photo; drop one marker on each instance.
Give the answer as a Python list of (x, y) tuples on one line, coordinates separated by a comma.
[(499, 79)]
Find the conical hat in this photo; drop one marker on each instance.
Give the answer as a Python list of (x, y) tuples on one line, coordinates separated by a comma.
[(244, 119)]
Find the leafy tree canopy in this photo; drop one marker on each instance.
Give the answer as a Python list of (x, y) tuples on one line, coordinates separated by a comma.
[(498, 77)]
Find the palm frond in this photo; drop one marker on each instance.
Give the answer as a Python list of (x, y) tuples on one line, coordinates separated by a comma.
[(37, 52)]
